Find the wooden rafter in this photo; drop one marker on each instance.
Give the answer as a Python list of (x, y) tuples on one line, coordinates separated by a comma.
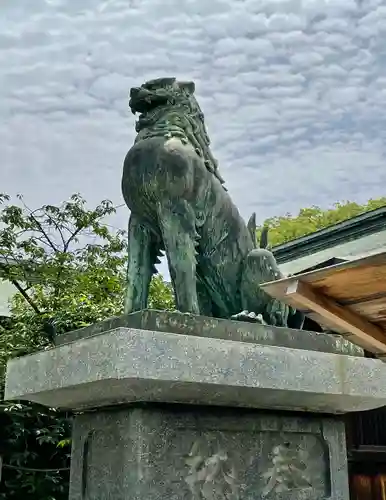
[(367, 334)]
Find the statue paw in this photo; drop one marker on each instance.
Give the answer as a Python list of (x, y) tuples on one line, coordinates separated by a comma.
[(185, 313), (249, 317)]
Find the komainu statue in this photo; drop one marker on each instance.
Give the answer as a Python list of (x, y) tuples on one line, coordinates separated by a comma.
[(179, 205)]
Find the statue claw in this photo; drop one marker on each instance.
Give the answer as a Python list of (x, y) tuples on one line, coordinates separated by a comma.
[(249, 317)]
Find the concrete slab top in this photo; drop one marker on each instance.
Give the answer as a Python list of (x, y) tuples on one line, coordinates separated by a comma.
[(203, 326)]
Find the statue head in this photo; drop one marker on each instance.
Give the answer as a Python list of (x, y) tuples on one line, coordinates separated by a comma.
[(159, 92), (157, 98)]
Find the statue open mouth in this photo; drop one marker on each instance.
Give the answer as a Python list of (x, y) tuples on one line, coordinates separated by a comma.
[(143, 100)]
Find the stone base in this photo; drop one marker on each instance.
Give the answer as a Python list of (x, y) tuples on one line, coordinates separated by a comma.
[(195, 453), (210, 450), (128, 365)]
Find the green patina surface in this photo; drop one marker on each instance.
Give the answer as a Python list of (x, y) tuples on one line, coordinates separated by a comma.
[(179, 205)]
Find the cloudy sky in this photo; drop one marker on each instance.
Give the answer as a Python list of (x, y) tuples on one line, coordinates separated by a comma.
[(294, 93)]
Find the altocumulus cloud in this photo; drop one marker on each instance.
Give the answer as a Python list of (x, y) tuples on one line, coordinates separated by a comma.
[(294, 93)]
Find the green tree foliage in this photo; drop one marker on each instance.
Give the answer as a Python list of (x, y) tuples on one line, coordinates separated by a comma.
[(70, 269), (33, 437), (286, 228)]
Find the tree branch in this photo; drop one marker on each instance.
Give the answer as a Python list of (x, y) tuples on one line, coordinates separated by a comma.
[(54, 248), (50, 243), (31, 469), (58, 228), (72, 237), (26, 296), (13, 262)]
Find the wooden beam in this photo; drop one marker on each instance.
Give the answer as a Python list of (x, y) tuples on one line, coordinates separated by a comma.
[(275, 288), (302, 296)]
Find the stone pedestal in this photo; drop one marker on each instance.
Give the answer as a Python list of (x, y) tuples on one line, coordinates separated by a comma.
[(176, 453), (171, 406)]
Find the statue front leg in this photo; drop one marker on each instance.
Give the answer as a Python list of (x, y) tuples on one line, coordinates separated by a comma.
[(204, 300), (142, 250), (260, 267), (177, 224)]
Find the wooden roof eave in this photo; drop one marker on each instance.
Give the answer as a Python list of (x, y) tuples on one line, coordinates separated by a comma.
[(332, 297)]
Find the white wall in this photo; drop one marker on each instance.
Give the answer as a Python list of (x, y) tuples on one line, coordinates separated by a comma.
[(7, 290), (374, 243)]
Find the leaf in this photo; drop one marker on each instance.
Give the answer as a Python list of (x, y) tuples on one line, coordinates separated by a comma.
[(64, 442)]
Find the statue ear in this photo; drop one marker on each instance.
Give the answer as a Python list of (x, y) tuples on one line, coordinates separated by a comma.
[(188, 86), (158, 82), (252, 229)]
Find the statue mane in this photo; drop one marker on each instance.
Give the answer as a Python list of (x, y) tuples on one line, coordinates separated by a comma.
[(168, 107)]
